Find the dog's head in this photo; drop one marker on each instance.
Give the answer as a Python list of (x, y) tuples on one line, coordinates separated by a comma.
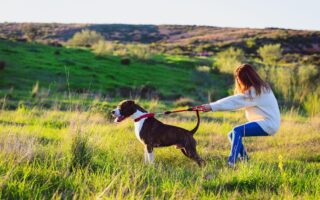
[(125, 109)]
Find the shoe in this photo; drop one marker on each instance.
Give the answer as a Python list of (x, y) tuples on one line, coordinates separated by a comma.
[(244, 158), (231, 164)]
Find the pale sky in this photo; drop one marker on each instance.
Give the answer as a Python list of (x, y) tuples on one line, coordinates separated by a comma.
[(303, 14)]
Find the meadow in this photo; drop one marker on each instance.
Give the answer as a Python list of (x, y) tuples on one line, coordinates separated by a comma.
[(53, 154), (58, 139)]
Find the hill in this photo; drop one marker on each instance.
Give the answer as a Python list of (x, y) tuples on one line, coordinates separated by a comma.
[(58, 70), (208, 39)]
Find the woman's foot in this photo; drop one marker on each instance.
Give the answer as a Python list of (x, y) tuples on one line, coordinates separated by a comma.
[(231, 164), (244, 158)]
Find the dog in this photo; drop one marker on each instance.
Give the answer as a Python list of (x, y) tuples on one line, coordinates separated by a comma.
[(153, 133)]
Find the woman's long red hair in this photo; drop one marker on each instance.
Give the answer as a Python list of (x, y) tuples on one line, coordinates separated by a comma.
[(246, 77)]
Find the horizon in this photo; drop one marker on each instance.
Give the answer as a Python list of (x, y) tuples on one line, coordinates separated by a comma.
[(133, 24), (271, 14)]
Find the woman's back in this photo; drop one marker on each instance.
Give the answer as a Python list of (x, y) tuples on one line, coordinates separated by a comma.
[(264, 110)]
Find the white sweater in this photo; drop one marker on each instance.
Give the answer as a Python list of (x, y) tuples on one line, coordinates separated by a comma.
[(262, 109)]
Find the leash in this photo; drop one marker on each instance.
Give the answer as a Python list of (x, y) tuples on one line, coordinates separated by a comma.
[(196, 108), (147, 115)]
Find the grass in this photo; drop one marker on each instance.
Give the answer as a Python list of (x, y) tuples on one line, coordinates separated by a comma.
[(28, 64), (37, 149), (57, 140)]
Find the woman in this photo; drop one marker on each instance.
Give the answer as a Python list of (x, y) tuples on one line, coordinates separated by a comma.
[(260, 105)]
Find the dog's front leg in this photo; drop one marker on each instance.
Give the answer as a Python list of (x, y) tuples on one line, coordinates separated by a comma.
[(146, 159), (150, 154)]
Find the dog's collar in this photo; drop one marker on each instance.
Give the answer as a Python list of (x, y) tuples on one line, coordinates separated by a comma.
[(147, 115)]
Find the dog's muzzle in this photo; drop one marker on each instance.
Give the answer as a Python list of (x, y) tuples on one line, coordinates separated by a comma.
[(118, 117)]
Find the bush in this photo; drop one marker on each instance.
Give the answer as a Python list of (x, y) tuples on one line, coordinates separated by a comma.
[(85, 38), (270, 53), (2, 65), (250, 43), (138, 51), (102, 48), (229, 59), (307, 74), (283, 79)]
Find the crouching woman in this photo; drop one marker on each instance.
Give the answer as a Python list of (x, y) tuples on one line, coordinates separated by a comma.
[(260, 105)]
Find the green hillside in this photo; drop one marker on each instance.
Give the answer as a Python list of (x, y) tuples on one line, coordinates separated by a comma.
[(59, 70)]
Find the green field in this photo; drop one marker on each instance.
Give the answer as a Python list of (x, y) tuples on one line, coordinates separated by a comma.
[(60, 70), (37, 159), (58, 141)]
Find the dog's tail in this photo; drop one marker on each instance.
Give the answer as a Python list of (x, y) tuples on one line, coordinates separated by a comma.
[(194, 130)]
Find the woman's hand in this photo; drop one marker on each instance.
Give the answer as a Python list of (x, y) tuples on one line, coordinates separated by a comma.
[(203, 107), (206, 107)]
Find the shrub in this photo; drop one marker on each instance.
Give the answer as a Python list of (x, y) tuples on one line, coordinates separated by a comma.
[(81, 151), (102, 48), (229, 59), (2, 65), (250, 42), (138, 51), (270, 53), (282, 79), (307, 74), (85, 38)]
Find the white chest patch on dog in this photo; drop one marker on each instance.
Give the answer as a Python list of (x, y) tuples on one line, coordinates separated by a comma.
[(138, 125)]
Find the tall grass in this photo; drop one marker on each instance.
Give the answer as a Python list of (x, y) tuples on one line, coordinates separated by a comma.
[(81, 151), (312, 104), (107, 160)]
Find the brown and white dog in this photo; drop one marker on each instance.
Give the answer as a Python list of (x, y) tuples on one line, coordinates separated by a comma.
[(153, 133)]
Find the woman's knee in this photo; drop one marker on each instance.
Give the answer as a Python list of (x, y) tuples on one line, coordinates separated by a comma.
[(237, 131)]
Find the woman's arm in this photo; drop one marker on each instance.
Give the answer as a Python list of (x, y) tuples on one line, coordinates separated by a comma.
[(233, 102)]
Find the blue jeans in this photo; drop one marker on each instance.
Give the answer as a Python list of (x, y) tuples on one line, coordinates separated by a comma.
[(235, 136)]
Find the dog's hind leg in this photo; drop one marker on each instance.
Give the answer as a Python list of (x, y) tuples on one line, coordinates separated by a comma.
[(194, 156), (184, 152), (192, 153)]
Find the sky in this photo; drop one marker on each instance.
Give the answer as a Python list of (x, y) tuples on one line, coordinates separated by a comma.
[(294, 14)]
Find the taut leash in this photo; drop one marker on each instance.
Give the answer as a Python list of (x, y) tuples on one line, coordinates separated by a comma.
[(196, 108), (147, 115)]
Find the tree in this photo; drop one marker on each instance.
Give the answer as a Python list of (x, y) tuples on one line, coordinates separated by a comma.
[(270, 54), (229, 59)]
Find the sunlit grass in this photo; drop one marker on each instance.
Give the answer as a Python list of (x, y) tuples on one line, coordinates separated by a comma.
[(36, 158)]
